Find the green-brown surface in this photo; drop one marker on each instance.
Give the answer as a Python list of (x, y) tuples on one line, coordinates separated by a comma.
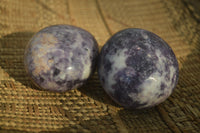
[(88, 109)]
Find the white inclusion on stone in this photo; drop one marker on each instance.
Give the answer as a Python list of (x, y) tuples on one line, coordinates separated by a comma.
[(60, 66), (52, 85), (86, 66), (151, 87), (147, 44), (119, 62), (144, 35), (62, 76)]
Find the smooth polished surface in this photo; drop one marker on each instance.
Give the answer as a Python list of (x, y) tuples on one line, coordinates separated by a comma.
[(137, 68), (61, 57)]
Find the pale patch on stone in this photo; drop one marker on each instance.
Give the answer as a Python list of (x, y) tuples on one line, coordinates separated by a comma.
[(151, 87), (51, 85), (119, 62), (87, 67), (144, 35), (45, 42)]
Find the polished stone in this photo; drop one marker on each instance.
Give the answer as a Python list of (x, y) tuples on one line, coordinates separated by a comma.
[(137, 69), (61, 57)]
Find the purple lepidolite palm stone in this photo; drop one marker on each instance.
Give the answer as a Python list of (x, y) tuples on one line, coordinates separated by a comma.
[(137, 69), (61, 57)]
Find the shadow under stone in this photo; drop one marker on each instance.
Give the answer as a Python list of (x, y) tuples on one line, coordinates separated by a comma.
[(94, 90), (12, 47)]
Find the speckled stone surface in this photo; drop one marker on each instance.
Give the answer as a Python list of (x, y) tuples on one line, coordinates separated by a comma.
[(61, 57), (137, 69)]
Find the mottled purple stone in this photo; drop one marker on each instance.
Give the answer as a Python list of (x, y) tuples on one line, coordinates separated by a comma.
[(137, 69), (61, 57)]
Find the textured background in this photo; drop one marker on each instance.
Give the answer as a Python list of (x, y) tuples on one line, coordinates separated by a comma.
[(89, 109)]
